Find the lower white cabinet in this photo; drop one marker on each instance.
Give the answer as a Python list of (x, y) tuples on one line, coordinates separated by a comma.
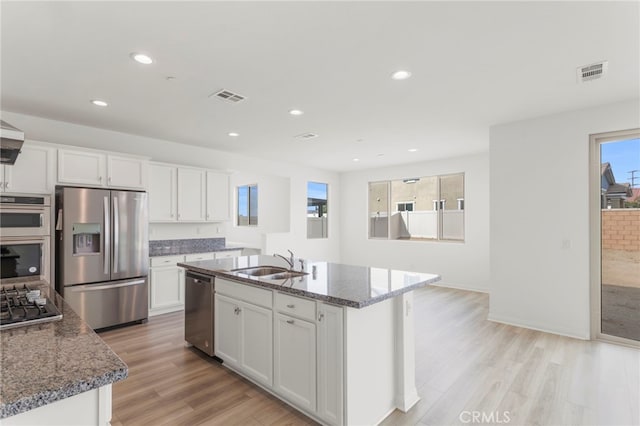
[(245, 341), (295, 360), (166, 289), (330, 344)]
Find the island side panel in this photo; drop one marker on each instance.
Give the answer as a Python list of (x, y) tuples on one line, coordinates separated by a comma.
[(370, 357), (406, 392)]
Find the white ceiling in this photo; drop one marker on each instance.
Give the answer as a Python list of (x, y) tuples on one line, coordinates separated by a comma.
[(474, 64)]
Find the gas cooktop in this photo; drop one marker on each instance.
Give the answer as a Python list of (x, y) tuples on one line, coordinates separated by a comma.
[(21, 305)]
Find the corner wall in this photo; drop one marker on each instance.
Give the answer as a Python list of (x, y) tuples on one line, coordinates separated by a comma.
[(462, 265), (540, 232)]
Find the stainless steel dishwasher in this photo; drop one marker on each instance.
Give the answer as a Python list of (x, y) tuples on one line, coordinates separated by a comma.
[(199, 311)]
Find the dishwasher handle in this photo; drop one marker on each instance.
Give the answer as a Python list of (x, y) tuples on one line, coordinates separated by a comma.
[(199, 278)]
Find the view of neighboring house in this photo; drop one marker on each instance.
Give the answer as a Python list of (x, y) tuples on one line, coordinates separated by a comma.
[(613, 194), (634, 200)]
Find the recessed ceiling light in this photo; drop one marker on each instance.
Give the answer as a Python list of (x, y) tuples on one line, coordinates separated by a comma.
[(234, 134), (356, 160), (296, 112), (413, 149), (98, 102), (142, 58), (401, 75)]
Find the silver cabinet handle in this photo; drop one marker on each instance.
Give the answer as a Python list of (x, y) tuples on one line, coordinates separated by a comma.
[(290, 321), (291, 306), (320, 316), (116, 237), (6, 184), (107, 235), (100, 179), (237, 311)]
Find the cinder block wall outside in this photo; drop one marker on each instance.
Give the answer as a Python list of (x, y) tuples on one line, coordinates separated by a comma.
[(621, 229)]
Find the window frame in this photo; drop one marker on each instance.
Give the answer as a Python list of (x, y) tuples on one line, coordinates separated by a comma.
[(249, 204)]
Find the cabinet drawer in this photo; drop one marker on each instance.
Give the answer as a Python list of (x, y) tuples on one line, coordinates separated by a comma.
[(228, 254), (296, 306), (198, 256), (250, 294), (165, 260)]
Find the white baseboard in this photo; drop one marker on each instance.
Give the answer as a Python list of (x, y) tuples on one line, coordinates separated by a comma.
[(518, 322), (460, 287)]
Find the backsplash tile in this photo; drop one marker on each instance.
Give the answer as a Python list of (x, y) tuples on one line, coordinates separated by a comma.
[(187, 246)]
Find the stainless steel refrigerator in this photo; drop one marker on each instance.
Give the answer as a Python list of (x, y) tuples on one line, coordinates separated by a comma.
[(102, 254)]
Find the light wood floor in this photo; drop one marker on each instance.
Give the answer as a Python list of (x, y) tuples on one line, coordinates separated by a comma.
[(464, 363)]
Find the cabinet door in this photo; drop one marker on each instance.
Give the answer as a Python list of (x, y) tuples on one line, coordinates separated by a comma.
[(257, 343), (330, 365), (191, 195), (167, 287), (81, 167), (295, 361), (227, 329), (126, 172), (163, 187), (217, 197), (32, 172)]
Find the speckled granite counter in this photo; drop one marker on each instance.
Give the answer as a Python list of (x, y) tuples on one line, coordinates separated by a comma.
[(188, 246), (44, 363), (347, 285)]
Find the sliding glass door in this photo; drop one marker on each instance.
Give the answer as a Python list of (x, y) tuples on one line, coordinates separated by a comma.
[(616, 236)]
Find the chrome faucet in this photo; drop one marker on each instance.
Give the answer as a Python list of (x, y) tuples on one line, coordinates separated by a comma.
[(289, 261)]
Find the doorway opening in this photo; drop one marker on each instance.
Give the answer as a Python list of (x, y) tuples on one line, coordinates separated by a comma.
[(615, 239)]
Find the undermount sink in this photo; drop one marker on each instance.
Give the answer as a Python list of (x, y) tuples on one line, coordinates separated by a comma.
[(258, 271), (269, 272)]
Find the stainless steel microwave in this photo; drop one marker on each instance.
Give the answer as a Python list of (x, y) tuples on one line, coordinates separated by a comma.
[(25, 215)]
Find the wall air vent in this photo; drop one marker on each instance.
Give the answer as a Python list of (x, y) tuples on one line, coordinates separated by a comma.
[(592, 71), (229, 96), (306, 136)]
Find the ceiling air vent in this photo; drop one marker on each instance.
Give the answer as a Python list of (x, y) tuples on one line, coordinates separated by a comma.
[(306, 136), (592, 71), (229, 96)]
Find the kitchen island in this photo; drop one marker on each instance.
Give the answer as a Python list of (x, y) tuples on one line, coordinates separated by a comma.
[(56, 372), (335, 341)]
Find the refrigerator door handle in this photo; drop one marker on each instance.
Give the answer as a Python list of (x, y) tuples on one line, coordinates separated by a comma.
[(107, 233), (93, 287), (116, 232)]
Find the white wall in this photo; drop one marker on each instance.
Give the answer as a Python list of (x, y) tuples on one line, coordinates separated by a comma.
[(540, 217), (463, 265), (282, 185)]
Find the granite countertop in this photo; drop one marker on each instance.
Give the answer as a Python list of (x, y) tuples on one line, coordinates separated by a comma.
[(44, 363), (188, 246), (346, 285)]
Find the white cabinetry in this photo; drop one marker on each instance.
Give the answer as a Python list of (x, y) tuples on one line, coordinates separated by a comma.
[(166, 285), (330, 363), (295, 360), (163, 193), (32, 173), (187, 194), (95, 168), (218, 205), (81, 167), (244, 330), (191, 195), (126, 172), (228, 254)]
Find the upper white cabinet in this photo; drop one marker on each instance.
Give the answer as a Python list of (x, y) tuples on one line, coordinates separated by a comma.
[(218, 206), (32, 173), (126, 172), (81, 167), (163, 193), (192, 195), (187, 194), (95, 168)]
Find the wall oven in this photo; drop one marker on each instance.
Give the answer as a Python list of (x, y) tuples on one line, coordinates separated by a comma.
[(25, 215), (25, 229)]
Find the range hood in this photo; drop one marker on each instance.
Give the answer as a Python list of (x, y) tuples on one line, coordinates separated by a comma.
[(11, 140)]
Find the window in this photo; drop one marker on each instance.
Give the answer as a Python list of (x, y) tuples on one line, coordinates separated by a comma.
[(248, 205), (317, 209), (427, 208)]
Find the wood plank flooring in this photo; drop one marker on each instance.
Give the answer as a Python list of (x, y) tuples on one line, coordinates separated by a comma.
[(465, 366)]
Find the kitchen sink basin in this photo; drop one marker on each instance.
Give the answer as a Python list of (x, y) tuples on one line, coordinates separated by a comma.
[(285, 275), (258, 271)]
